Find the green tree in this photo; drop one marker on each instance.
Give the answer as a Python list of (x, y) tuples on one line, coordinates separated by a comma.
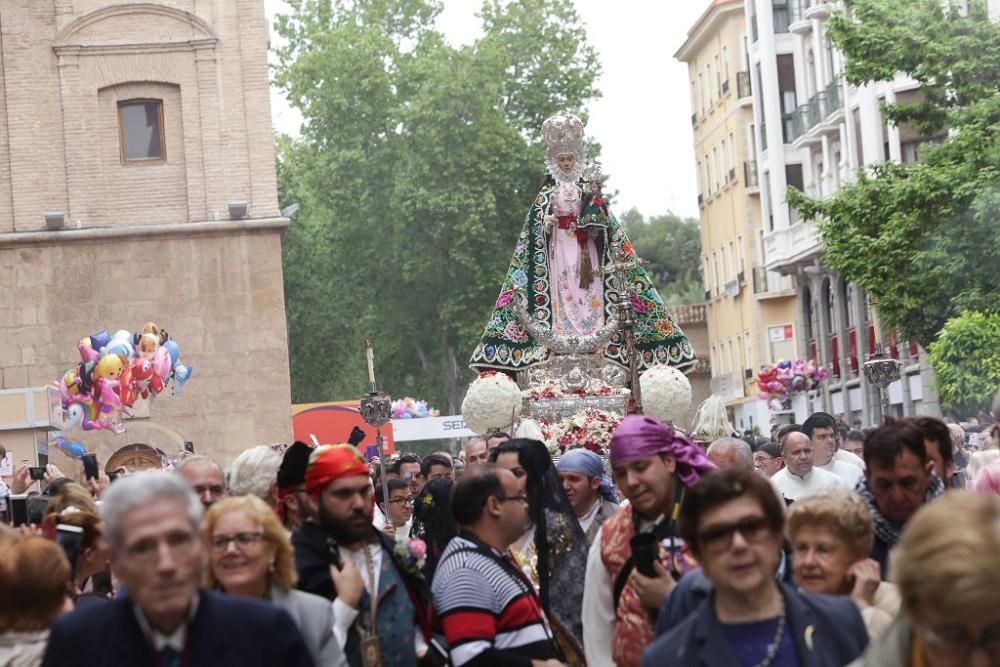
[(922, 238), (672, 248), (966, 362), (415, 169)]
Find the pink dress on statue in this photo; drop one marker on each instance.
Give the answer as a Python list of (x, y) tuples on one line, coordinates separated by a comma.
[(575, 309)]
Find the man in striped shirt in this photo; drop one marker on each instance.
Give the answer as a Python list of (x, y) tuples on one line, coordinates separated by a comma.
[(488, 609)]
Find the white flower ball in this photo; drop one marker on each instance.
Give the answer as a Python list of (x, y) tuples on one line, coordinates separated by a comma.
[(492, 403), (666, 393)]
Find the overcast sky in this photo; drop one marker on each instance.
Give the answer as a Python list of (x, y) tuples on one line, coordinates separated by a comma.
[(643, 119)]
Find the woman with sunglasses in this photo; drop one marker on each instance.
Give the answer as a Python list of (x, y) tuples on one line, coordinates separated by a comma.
[(250, 555)]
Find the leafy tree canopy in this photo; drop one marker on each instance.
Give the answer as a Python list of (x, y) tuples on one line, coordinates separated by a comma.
[(922, 238), (966, 362), (672, 247), (415, 168)]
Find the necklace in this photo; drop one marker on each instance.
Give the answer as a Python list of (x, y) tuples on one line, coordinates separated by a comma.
[(371, 649), (779, 632)]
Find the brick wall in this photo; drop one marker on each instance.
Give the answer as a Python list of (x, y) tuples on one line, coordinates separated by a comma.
[(64, 66)]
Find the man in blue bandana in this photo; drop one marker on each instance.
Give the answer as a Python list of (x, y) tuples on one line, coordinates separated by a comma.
[(588, 489)]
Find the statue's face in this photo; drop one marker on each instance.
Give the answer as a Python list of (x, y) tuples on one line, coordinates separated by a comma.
[(567, 162)]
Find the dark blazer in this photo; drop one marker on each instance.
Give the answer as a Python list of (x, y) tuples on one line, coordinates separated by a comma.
[(827, 630), (226, 631)]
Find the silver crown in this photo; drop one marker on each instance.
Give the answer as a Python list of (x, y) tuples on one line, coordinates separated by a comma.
[(563, 134)]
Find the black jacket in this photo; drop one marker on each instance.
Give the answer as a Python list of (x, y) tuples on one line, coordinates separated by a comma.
[(828, 632), (225, 632)]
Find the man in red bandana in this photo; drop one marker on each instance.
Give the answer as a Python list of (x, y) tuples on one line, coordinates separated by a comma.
[(340, 555)]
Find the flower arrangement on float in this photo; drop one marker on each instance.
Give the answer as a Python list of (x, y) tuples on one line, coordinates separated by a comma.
[(780, 381), (550, 389), (409, 408), (589, 428), (492, 403)]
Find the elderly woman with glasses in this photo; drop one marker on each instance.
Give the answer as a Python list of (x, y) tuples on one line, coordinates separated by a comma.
[(251, 555), (831, 534)]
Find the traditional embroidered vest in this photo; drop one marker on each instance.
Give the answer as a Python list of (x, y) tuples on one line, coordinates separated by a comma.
[(395, 622), (634, 623)]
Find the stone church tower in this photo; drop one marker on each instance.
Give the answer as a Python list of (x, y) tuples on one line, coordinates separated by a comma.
[(137, 183)]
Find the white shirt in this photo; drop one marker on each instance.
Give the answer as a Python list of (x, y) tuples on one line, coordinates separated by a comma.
[(793, 487), (378, 518), (598, 603), (848, 457), (587, 520), (403, 532), (845, 471)]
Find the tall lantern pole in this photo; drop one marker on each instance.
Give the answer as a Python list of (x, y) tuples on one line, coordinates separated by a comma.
[(376, 409)]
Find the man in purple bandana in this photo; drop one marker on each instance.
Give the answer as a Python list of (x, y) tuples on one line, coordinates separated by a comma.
[(653, 465)]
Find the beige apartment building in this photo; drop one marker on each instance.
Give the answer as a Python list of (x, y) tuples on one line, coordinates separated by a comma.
[(137, 183), (751, 311)]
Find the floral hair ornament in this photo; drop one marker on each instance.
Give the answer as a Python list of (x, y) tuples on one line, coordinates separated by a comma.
[(563, 134)]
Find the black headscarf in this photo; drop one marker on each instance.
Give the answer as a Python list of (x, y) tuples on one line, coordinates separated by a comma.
[(433, 522), (560, 544)]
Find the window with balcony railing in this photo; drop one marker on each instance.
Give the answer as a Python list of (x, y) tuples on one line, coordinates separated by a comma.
[(743, 84), (750, 179)]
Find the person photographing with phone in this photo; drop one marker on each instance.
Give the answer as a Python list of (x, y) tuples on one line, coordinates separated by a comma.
[(653, 465), (379, 605)]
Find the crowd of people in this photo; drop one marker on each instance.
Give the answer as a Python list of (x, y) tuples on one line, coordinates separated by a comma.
[(821, 545)]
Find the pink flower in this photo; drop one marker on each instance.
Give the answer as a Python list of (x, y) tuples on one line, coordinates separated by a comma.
[(505, 299), (515, 332), (638, 304), (418, 549)]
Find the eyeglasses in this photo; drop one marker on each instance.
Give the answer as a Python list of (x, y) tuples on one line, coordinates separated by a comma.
[(955, 642), (719, 538), (405, 501), (761, 460), (242, 540), (522, 498)]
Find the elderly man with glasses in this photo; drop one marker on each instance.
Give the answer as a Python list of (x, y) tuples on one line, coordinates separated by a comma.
[(151, 522)]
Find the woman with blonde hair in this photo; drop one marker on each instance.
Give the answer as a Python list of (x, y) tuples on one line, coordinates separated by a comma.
[(250, 555), (945, 567), (831, 533)]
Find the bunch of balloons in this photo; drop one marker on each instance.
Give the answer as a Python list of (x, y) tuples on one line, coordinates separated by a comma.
[(408, 408), (114, 372), (779, 382)]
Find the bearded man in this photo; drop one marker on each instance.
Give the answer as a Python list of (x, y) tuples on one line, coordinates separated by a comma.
[(341, 556)]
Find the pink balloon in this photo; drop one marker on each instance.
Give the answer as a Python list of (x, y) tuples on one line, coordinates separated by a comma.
[(161, 362)]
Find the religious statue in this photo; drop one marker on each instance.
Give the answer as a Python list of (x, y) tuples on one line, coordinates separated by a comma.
[(558, 268)]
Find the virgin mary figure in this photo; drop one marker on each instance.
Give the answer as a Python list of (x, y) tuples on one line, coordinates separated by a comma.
[(558, 263)]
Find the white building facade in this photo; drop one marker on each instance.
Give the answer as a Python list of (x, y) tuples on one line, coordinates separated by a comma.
[(814, 132)]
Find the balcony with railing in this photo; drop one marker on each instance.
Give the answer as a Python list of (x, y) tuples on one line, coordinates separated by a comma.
[(743, 86), (750, 178), (821, 111), (796, 244), (776, 287)]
